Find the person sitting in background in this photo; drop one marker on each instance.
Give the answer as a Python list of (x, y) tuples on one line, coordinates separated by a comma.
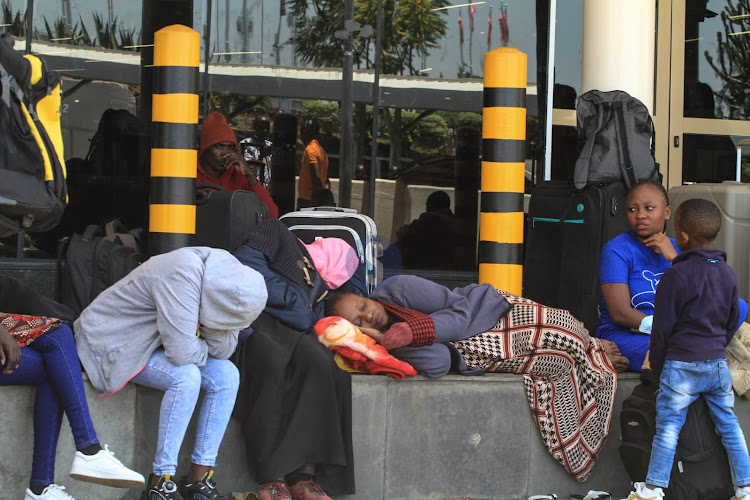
[(221, 164), (39, 350), (257, 148), (178, 317), (429, 242)]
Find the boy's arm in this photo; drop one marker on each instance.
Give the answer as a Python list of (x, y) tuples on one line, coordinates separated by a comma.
[(670, 298), (733, 323)]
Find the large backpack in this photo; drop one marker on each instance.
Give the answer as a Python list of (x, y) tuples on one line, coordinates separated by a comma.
[(617, 137), (701, 468), (88, 264), (33, 192)]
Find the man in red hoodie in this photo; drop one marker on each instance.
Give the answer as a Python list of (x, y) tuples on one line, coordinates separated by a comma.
[(220, 163)]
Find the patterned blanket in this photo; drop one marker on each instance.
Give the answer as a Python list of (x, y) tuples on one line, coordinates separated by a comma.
[(570, 382)]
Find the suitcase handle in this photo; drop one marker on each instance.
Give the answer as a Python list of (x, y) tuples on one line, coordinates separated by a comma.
[(329, 209), (202, 190)]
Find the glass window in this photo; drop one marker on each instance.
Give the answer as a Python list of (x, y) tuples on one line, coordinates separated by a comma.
[(568, 53), (711, 158), (716, 61)]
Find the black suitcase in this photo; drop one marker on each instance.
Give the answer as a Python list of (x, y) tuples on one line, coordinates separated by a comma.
[(701, 469), (566, 231), (224, 219)]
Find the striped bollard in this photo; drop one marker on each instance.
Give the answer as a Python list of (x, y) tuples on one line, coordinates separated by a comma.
[(173, 153), (503, 170)]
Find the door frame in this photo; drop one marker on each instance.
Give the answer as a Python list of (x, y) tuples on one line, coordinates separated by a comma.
[(670, 94)]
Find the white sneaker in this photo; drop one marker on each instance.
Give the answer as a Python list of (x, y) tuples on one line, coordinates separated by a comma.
[(104, 468), (51, 492), (741, 493), (642, 493)]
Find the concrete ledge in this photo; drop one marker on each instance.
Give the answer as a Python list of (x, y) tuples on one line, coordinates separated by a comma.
[(414, 439)]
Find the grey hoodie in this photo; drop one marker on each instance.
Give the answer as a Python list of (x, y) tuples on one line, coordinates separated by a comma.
[(161, 303)]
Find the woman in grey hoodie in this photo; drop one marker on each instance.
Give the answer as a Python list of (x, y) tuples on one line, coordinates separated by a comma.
[(172, 324)]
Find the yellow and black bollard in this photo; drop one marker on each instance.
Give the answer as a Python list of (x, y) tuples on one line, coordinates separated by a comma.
[(503, 170), (174, 130)]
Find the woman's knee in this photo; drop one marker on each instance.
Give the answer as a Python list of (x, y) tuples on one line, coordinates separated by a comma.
[(59, 338), (186, 379), (220, 374)]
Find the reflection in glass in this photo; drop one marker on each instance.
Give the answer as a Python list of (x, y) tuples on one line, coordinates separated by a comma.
[(716, 59), (711, 158), (425, 39), (88, 23)]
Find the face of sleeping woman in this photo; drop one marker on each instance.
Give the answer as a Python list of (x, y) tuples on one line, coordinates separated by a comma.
[(647, 211), (361, 311)]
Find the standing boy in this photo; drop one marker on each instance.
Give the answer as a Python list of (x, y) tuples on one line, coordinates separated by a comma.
[(696, 313)]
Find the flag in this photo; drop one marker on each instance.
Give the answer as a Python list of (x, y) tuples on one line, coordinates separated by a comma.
[(489, 29), (461, 28), (503, 18), (282, 8), (472, 9)]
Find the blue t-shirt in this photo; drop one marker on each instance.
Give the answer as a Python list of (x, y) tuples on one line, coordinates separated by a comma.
[(625, 259)]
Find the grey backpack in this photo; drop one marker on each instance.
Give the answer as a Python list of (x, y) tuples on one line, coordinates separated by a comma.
[(617, 137)]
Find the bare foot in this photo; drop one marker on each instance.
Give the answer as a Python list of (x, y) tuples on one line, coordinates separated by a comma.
[(620, 363), (610, 347)]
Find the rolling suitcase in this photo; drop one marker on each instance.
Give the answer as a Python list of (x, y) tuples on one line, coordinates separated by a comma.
[(566, 231), (331, 222), (733, 200), (224, 219)]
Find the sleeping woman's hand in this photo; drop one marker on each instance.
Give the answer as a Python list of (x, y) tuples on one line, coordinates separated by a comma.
[(373, 333), (661, 244), (10, 353), (398, 335)]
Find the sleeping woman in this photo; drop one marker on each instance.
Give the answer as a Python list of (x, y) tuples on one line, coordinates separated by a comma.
[(479, 328)]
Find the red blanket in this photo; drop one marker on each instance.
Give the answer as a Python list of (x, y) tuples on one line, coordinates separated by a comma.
[(359, 351)]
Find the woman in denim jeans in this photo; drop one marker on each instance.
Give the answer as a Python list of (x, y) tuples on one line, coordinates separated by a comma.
[(51, 364), (172, 324)]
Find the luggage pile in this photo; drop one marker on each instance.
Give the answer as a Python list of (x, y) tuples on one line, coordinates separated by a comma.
[(570, 221)]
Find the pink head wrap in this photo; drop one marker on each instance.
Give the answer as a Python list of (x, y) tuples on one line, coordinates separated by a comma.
[(334, 258)]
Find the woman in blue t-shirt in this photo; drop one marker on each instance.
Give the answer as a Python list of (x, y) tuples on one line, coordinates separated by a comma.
[(630, 267)]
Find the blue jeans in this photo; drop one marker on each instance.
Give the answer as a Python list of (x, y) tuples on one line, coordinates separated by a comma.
[(51, 363), (182, 384), (680, 384)]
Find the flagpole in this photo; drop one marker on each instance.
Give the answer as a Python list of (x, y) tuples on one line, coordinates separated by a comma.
[(471, 39), (376, 106), (461, 40)]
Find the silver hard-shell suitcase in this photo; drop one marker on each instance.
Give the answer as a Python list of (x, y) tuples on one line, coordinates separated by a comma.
[(332, 222)]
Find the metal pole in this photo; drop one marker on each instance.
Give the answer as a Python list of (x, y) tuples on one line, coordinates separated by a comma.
[(227, 49), (29, 24), (550, 91), (347, 127), (375, 108), (245, 33), (206, 57)]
